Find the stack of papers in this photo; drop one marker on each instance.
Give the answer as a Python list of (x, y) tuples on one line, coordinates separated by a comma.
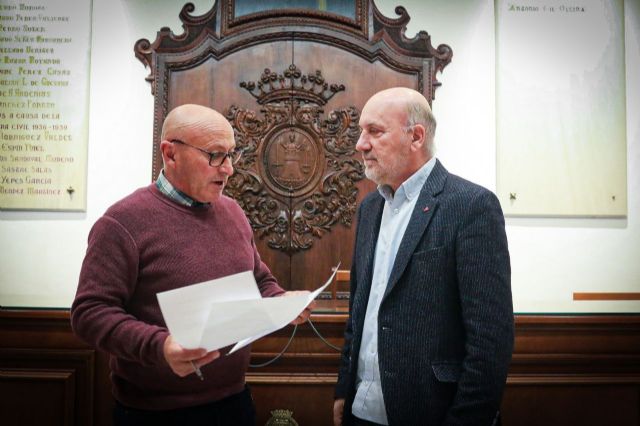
[(218, 313)]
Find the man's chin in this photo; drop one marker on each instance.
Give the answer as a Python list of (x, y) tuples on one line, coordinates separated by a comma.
[(215, 197), (214, 194), (372, 175)]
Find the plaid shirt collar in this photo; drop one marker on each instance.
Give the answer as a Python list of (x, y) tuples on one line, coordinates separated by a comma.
[(165, 187)]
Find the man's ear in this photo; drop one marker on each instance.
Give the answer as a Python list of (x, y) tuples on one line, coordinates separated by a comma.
[(167, 149), (418, 136)]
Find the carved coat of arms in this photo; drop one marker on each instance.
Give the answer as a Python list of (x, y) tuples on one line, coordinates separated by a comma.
[(281, 418), (297, 176)]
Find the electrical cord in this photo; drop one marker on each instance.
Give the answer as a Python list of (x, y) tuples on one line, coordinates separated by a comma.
[(295, 328), (274, 359), (322, 338)]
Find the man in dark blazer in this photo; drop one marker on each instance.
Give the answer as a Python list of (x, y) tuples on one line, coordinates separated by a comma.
[(430, 332)]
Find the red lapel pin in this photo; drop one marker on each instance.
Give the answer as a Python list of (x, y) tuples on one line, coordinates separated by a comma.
[(426, 209)]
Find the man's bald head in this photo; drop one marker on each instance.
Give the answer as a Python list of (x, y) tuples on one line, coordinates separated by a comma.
[(191, 118), (417, 109), (191, 136)]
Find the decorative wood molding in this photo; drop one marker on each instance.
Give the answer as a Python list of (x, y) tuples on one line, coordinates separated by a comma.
[(392, 32), (610, 296), (278, 25), (218, 33), (168, 42), (77, 366), (292, 379), (37, 384), (571, 380), (296, 178)]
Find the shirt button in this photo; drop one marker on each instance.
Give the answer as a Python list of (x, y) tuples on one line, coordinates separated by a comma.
[(396, 211)]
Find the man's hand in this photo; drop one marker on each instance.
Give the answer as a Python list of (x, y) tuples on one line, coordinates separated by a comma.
[(304, 315), (183, 360), (338, 409)]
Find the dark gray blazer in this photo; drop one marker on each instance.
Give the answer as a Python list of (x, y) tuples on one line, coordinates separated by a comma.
[(445, 325)]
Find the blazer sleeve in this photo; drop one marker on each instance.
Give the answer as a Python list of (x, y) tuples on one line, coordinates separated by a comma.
[(342, 386), (484, 280)]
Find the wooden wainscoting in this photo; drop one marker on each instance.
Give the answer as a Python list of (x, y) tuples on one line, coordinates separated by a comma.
[(566, 370), (580, 370), (47, 375)]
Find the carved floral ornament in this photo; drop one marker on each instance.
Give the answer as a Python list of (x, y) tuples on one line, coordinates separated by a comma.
[(296, 178)]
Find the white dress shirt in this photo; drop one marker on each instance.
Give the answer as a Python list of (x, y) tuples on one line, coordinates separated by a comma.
[(369, 402)]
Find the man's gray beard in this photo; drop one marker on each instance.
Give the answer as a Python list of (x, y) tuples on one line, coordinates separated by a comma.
[(372, 175)]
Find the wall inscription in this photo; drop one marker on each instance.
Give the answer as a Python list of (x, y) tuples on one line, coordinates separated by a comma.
[(44, 83), (561, 108)]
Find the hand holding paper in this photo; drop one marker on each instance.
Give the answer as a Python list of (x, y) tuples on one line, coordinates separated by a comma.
[(186, 361), (306, 313), (218, 313)]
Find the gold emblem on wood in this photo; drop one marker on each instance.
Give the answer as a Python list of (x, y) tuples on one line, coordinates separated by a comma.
[(297, 176), (281, 418)]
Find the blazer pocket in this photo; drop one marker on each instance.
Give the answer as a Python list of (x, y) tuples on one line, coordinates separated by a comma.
[(447, 372)]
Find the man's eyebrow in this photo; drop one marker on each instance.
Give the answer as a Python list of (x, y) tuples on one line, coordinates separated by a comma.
[(218, 146), (371, 125)]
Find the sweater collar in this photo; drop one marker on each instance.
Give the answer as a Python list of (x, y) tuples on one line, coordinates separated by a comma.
[(170, 191)]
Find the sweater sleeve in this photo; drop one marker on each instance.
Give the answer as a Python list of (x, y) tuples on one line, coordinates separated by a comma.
[(266, 281), (108, 278)]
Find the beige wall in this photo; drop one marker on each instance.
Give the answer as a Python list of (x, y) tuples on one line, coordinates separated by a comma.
[(551, 258)]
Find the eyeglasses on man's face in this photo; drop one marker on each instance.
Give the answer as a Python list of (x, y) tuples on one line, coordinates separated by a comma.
[(216, 159)]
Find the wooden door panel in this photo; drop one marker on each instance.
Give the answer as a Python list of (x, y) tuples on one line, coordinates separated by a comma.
[(292, 83)]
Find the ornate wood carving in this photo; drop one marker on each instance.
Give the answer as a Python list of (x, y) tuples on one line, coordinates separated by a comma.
[(371, 36), (296, 22), (297, 176), (300, 176), (392, 32)]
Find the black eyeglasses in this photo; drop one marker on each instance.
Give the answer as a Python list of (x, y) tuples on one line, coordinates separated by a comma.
[(216, 159)]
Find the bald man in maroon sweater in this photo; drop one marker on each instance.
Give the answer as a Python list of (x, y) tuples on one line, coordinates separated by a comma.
[(175, 232)]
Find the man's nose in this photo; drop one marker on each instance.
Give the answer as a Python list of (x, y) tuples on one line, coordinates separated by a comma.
[(363, 143), (226, 167)]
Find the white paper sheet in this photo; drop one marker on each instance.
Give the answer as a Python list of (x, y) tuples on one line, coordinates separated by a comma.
[(284, 315), (218, 313), (185, 310)]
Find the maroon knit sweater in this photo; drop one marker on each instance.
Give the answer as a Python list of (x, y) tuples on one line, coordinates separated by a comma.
[(145, 244)]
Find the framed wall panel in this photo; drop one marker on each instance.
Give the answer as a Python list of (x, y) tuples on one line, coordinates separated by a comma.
[(561, 112)]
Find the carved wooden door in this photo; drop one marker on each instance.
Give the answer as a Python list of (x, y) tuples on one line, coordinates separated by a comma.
[(292, 82)]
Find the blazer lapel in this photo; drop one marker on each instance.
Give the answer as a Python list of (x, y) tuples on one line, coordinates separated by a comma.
[(420, 217), (368, 237)]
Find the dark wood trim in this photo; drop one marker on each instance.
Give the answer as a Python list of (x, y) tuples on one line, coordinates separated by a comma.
[(605, 296), (567, 379), (558, 360), (33, 379)]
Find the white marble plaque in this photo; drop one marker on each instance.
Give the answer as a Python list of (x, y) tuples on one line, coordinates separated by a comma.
[(561, 125), (44, 101)]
